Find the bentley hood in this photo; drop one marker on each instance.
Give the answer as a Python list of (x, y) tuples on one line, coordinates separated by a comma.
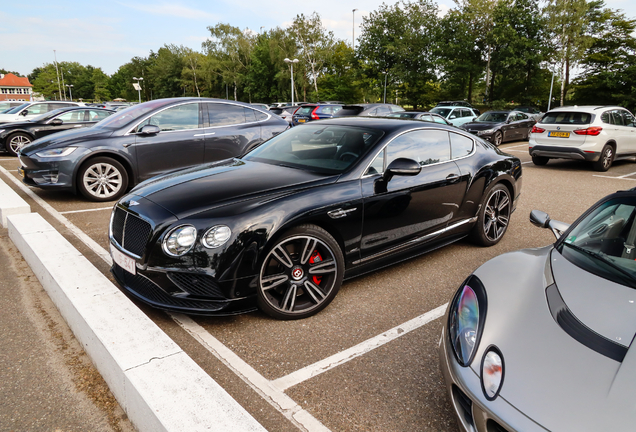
[(195, 190), (66, 138), (479, 126), (553, 372)]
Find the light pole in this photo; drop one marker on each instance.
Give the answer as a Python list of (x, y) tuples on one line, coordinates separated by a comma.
[(70, 90), (353, 30), (59, 87), (385, 75), (291, 62), (137, 86), (550, 98)]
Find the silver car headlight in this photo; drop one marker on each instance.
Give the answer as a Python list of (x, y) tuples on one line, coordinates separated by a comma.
[(492, 372), (216, 236), (180, 240), (58, 152), (466, 316)]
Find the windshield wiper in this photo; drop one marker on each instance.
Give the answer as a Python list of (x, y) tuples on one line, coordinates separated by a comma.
[(602, 259)]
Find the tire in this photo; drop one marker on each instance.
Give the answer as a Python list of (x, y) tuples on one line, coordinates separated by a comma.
[(102, 179), (605, 161), (527, 138), (16, 141), (540, 160), (301, 274), (497, 139), (493, 218)]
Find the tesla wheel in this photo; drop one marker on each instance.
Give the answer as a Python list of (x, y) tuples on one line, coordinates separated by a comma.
[(301, 273), (497, 138), (102, 179), (605, 161), (540, 160), (15, 142), (493, 218)]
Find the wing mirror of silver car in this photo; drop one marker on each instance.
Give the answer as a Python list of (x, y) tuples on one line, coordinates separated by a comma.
[(150, 130), (542, 220), (402, 167)]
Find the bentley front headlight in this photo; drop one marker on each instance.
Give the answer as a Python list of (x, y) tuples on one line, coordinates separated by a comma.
[(216, 236), (180, 240)]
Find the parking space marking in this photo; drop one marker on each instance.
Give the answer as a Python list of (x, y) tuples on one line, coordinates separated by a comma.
[(615, 178), (342, 357), (86, 210), (276, 397), (526, 162), (511, 147)]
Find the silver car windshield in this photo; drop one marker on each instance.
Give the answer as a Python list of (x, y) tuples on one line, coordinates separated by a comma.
[(318, 148), (603, 242), (17, 109)]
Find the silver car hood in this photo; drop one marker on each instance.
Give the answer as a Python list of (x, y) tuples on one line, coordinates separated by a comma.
[(549, 376)]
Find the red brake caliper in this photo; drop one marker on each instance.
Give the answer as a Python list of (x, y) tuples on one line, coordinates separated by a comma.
[(316, 258)]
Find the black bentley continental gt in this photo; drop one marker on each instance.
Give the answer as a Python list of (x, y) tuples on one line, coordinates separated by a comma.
[(281, 227)]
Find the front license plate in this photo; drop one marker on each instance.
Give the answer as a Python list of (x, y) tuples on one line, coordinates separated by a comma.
[(21, 172), (122, 260), (301, 120), (559, 134)]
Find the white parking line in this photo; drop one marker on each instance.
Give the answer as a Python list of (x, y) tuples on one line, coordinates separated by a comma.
[(520, 145), (342, 357), (615, 178), (86, 210), (527, 162)]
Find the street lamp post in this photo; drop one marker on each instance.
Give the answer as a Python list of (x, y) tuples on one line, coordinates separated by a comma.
[(385, 75), (138, 86), (70, 90), (353, 31), (550, 98), (291, 62)]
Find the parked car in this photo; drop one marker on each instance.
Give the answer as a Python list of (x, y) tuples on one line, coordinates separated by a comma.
[(6, 105), (542, 339), (368, 110), (531, 111), (284, 224), (28, 110), (456, 115), (310, 112), (501, 126), (598, 134), (286, 113), (454, 103), (143, 141), (14, 136), (420, 115)]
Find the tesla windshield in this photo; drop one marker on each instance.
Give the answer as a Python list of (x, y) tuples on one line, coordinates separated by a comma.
[(128, 115)]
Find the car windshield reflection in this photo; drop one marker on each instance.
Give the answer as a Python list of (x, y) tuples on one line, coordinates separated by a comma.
[(128, 115), (318, 148), (490, 117)]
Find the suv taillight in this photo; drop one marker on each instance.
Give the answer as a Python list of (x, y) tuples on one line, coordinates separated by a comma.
[(536, 129), (594, 131), (313, 114)]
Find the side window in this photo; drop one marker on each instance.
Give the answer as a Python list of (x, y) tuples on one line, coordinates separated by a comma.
[(76, 116), (460, 145), (424, 146), (439, 120), (56, 105), (427, 118), (383, 110), (180, 117), (605, 117), (373, 112), (465, 113), (628, 119), (97, 115), (250, 115), (40, 108), (454, 114), (521, 116), (221, 114), (377, 166), (617, 118)]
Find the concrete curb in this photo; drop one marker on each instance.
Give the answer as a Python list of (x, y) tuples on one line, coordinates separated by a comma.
[(11, 203), (158, 385)]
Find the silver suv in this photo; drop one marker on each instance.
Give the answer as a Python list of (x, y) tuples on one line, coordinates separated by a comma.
[(599, 134)]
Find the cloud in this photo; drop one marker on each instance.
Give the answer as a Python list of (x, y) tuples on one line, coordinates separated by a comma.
[(171, 9)]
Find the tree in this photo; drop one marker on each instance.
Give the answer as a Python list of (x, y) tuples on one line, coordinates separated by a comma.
[(340, 81), (101, 85)]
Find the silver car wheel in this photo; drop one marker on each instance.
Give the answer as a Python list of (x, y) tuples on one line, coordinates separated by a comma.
[(102, 180), (298, 275), (497, 215), (17, 142)]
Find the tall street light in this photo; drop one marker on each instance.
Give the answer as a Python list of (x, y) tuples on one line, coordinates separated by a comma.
[(353, 31), (137, 86), (385, 75), (59, 87), (70, 90), (291, 62)]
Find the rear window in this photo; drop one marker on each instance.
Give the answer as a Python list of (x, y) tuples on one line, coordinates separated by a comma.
[(567, 117), (305, 110), (350, 111)]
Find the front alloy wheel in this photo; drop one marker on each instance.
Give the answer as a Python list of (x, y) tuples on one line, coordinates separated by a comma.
[(497, 138), (301, 273), (16, 142), (494, 217), (102, 179)]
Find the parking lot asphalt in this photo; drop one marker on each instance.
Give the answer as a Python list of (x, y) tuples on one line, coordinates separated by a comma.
[(343, 368)]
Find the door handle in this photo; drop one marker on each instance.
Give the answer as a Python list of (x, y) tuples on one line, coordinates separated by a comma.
[(127, 145), (452, 178)]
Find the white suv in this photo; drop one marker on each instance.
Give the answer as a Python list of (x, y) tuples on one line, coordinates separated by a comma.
[(456, 115), (28, 110), (599, 134)]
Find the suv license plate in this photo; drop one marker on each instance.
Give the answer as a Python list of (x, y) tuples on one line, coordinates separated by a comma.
[(559, 134), (122, 260)]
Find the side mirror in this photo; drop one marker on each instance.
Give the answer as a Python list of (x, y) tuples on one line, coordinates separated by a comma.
[(402, 167), (474, 119), (56, 122), (150, 130), (542, 220), (24, 113), (453, 117)]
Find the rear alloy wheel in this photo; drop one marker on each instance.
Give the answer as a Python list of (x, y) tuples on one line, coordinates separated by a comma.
[(301, 273), (493, 218), (15, 142), (540, 160), (102, 179), (605, 161), (497, 138)]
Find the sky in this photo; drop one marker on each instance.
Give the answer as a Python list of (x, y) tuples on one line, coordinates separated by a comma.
[(109, 33)]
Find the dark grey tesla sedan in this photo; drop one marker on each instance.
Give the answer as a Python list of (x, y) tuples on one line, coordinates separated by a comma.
[(145, 140)]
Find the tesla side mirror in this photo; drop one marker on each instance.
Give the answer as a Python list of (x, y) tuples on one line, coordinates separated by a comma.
[(56, 122), (402, 167), (542, 220), (149, 130)]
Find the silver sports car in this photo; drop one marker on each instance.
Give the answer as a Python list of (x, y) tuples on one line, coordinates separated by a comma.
[(541, 339)]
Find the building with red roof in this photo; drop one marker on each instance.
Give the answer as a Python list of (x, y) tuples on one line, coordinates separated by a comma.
[(15, 88)]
